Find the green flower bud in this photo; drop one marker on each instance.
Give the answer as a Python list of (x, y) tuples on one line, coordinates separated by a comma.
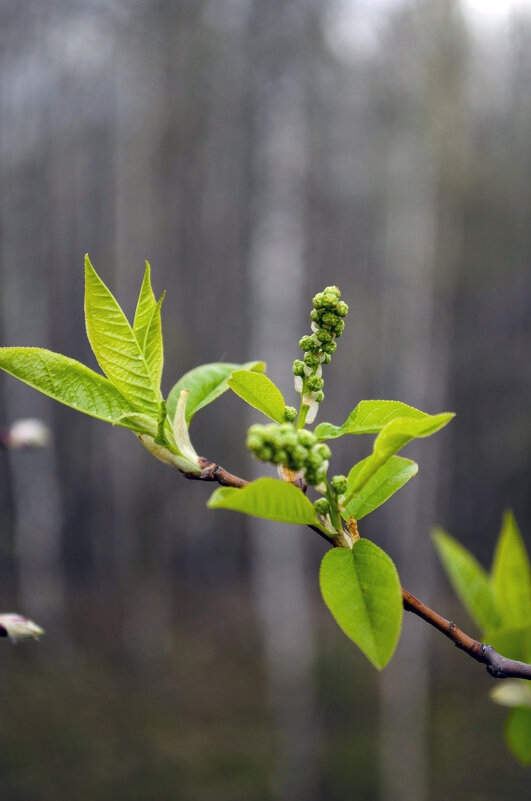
[(318, 300), (323, 335), (342, 309), (339, 327), (311, 359), (319, 397), (307, 438), (307, 343), (314, 384), (315, 315), (322, 507), (329, 347), (298, 367), (299, 454), (254, 442), (323, 450), (339, 484), (332, 290), (327, 358), (329, 319), (280, 457)]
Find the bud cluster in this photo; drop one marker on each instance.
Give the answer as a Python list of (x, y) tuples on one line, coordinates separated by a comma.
[(327, 324), (296, 450)]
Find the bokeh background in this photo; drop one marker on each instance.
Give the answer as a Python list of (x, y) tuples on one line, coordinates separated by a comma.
[(255, 152)]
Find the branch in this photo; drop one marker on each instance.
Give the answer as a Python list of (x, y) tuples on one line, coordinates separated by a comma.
[(497, 665)]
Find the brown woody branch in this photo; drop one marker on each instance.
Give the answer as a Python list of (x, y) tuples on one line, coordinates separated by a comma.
[(497, 665)]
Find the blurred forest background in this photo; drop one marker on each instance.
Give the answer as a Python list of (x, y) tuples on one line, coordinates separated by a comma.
[(255, 152)]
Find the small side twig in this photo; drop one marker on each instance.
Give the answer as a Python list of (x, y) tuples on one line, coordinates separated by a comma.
[(497, 665)]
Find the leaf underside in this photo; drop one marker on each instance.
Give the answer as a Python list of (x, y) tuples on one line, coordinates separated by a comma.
[(259, 391), (267, 498)]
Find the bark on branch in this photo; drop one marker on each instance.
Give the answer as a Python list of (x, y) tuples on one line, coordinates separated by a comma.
[(497, 665)]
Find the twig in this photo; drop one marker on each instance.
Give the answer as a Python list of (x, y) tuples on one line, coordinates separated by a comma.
[(497, 665)]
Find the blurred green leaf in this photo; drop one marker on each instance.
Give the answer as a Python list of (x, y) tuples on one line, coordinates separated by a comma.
[(69, 382), (472, 584), (514, 643), (204, 384), (511, 575), (362, 591), (260, 392), (267, 498), (116, 347), (369, 417), (518, 734), (385, 481)]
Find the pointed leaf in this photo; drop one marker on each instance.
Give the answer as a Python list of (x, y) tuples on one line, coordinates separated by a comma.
[(518, 734), (394, 436), (369, 417), (204, 384), (267, 498), (69, 382), (116, 347), (144, 307), (470, 581), (385, 481), (511, 575), (152, 347), (259, 391), (362, 590)]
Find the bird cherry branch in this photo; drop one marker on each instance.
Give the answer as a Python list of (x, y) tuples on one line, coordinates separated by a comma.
[(497, 665)]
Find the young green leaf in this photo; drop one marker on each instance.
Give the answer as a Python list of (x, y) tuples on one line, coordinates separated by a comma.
[(69, 382), (116, 347), (369, 417), (152, 347), (470, 581), (511, 575), (394, 436), (518, 733), (144, 308), (267, 498), (204, 384), (362, 591), (259, 391), (385, 481), (140, 423)]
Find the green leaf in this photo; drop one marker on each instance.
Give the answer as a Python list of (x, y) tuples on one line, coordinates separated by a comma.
[(514, 643), (470, 581), (152, 347), (386, 481), (518, 734), (511, 575), (394, 436), (259, 391), (369, 417), (204, 384), (69, 382), (116, 347), (267, 498), (362, 590), (144, 308)]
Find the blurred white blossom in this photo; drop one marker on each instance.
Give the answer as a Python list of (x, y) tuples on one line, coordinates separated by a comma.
[(29, 433), (17, 627)]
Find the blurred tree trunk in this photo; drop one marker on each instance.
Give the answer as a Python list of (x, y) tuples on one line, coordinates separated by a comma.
[(425, 170), (277, 42), (27, 303)]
